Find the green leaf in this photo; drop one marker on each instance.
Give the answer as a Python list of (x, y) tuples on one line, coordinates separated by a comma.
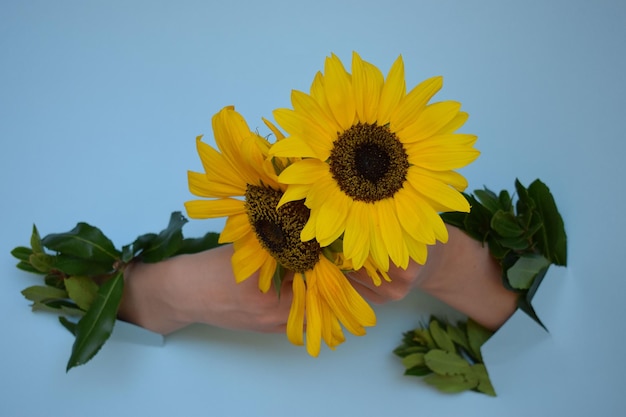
[(71, 265), (35, 241), (484, 383), (26, 266), (167, 242), (451, 384), (423, 337), (418, 371), (83, 241), (22, 253), (412, 360), (477, 335), (554, 240), (488, 199), (58, 307), (441, 337), (195, 245), (82, 290), (445, 363), (458, 336), (38, 293), (41, 262), (523, 272), (505, 224), (96, 326), (69, 325), (278, 278)]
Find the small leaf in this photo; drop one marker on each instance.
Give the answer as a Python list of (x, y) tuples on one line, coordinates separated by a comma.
[(38, 293), (523, 272), (82, 290), (441, 338), (58, 307), (488, 199), (477, 335), (451, 384), (26, 266), (445, 363), (504, 223), (69, 325), (83, 241), (35, 241), (22, 253), (41, 262), (278, 278), (71, 265), (554, 242), (96, 326), (415, 359), (458, 336), (423, 337), (484, 383), (167, 242)]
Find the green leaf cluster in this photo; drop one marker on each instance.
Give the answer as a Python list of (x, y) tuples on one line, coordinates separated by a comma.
[(448, 357), (525, 236), (83, 276)]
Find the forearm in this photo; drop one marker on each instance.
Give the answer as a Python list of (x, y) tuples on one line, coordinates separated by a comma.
[(200, 288), (462, 274)]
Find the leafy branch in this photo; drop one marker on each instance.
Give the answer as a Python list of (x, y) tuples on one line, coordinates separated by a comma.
[(525, 237), (83, 276)]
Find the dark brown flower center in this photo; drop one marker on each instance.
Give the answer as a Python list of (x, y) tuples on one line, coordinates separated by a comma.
[(278, 230), (368, 162)]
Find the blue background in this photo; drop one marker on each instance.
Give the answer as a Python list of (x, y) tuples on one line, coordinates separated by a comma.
[(100, 103)]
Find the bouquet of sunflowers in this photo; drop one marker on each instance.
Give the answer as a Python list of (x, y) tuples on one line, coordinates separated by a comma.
[(357, 178)]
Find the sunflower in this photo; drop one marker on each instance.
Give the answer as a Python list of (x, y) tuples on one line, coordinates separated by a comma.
[(375, 163), (240, 182)]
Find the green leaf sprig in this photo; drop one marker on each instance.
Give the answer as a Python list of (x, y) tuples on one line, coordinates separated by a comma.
[(447, 356), (525, 237), (83, 276)]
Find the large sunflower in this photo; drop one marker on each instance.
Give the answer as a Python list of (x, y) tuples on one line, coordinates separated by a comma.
[(376, 164), (241, 183)]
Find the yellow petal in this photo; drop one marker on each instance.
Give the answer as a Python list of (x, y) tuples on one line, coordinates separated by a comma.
[(356, 239), (411, 217), (266, 274), (451, 178), (295, 322), (313, 321), (307, 171), (294, 192), (392, 233), (292, 146), (432, 119), (279, 135), (304, 103), (331, 217), (445, 158), (237, 226), (367, 83), (393, 91), (438, 191), (248, 257), (338, 89), (378, 250), (414, 103), (347, 304), (206, 209), (454, 124)]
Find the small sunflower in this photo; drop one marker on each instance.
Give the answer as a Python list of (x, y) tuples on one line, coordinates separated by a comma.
[(241, 183), (376, 164)]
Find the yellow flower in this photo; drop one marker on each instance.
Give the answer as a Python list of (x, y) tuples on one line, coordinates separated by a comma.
[(241, 183), (376, 164)]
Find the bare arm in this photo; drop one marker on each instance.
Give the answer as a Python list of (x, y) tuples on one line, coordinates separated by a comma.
[(201, 288)]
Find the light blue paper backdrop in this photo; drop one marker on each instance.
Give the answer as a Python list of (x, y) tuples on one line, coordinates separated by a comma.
[(100, 103)]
